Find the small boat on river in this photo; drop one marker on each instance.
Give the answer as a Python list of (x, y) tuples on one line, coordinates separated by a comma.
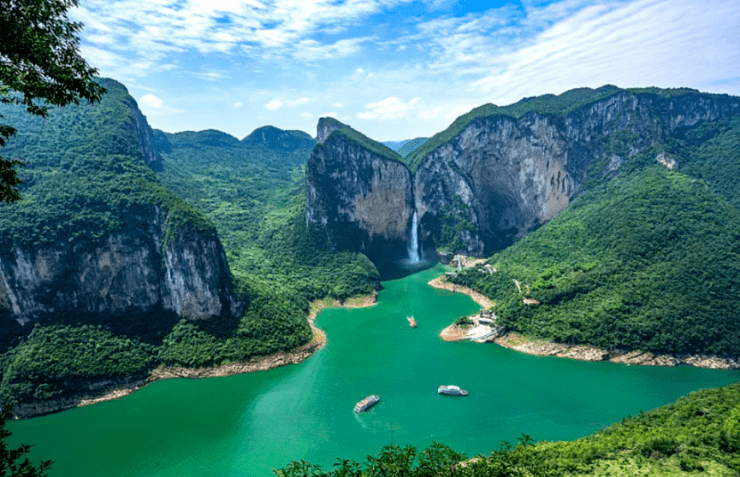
[(412, 321), (367, 403), (452, 390)]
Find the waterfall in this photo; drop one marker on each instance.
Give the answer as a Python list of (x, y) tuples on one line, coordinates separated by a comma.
[(414, 243)]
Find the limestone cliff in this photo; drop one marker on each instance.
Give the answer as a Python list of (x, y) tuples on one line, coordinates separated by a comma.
[(498, 173), (97, 234), (362, 197), (130, 271), (503, 176)]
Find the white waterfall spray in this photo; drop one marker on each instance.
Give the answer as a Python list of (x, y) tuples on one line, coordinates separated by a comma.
[(413, 247)]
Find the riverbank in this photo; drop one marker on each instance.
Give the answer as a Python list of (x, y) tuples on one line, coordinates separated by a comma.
[(272, 361), (108, 390), (479, 298), (517, 342)]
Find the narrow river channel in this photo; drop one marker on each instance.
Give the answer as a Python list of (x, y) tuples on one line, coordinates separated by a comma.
[(249, 424)]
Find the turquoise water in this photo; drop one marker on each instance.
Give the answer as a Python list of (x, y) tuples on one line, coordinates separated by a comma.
[(247, 425)]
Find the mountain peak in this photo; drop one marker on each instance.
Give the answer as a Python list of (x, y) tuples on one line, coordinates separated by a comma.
[(326, 126), (276, 138)]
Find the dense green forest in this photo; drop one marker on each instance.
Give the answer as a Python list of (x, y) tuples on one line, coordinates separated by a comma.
[(254, 192), (86, 177), (697, 435), (84, 174), (647, 261)]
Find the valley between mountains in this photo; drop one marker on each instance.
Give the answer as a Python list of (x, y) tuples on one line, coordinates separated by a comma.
[(136, 251)]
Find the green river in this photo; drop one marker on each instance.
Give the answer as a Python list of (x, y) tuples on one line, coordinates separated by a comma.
[(249, 424)]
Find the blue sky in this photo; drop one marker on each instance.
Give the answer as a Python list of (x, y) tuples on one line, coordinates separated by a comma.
[(394, 69)]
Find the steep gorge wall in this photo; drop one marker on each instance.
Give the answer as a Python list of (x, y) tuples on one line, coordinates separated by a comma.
[(131, 271), (364, 201), (128, 248), (502, 176)]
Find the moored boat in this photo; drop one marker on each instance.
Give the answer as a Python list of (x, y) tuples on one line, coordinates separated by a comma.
[(367, 403), (452, 390)]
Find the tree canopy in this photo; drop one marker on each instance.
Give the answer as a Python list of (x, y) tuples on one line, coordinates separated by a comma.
[(40, 65)]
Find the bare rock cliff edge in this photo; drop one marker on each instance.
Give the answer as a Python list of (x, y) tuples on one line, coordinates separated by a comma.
[(496, 173), (156, 255)]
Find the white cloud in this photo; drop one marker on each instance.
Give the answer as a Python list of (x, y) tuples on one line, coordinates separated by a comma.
[(210, 76), (389, 108), (152, 105), (274, 105), (238, 104), (154, 30), (639, 43), (306, 115), (331, 114), (455, 61), (150, 101)]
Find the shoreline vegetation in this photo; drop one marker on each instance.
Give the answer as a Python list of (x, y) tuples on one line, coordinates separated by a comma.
[(260, 363), (540, 347)]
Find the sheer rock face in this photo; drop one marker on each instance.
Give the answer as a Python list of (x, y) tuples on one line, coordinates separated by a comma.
[(146, 139), (363, 200), (143, 267), (132, 271), (502, 177)]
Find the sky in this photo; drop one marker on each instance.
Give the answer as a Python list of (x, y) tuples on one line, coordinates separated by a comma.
[(394, 69)]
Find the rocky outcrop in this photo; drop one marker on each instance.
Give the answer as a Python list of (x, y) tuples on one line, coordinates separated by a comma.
[(504, 176), (362, 199), (501, 174), (132, 271), (146, 139), (126, 247)]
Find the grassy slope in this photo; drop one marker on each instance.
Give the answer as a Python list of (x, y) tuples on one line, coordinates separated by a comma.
[(254, 192), (363, 141)]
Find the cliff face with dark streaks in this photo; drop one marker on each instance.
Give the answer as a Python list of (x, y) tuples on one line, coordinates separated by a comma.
[(363, 199), (97, 234), (498, 173)]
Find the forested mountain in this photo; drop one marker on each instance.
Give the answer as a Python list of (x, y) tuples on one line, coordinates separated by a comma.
[(254, 192), (643, 254), (98, 256), (410, 146), (105, 273), (649, 261)]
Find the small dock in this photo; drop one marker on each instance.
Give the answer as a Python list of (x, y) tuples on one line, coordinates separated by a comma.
[(482, 329)]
